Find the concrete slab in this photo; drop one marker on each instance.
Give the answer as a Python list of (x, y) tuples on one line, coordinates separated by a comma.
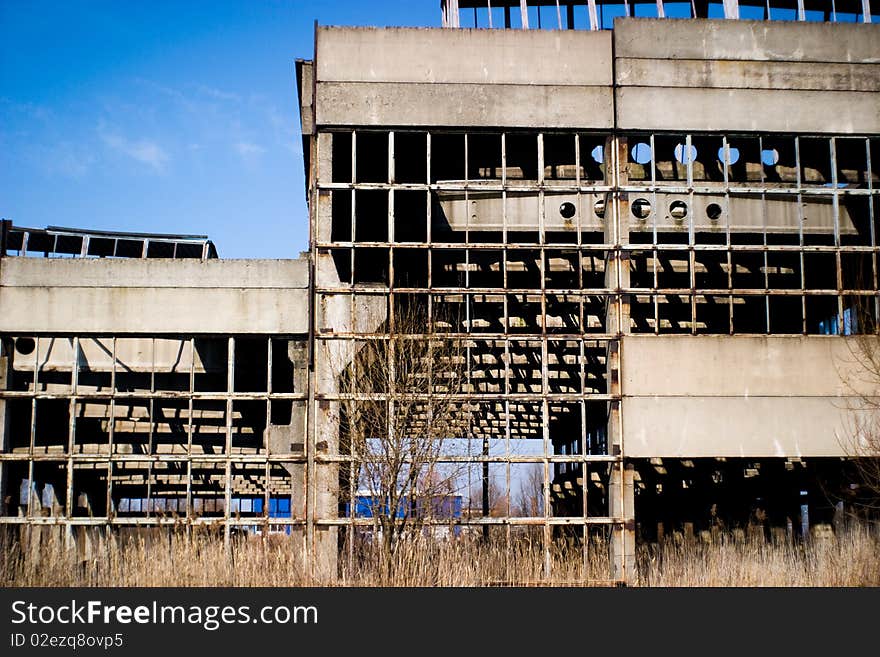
[(757, 110), (746, 366), (463, 105), (694, 427), (721, 74), (349, 54), (153, 296), (153, 272), (780, 41), (148, 310)]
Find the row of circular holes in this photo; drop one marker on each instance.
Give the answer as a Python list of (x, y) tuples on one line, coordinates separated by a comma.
[(641, 208), (641, 154)]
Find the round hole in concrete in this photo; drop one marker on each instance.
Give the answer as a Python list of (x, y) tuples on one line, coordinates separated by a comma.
[(598, 154), (678, 210), (599, 208), (641, 153), (733, 152), (713, 211), (25, 345), (567, 210), (640, 208), (684, 154), (769, 156)]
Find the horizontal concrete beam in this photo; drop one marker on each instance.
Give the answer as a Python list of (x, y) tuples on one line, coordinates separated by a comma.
[(694, 427), (748, 396), (139, 310), (463, 105), (765, 110), (153, 296), (747, 366), (779, 41), (543, 57), (726, 74), (153, 272)]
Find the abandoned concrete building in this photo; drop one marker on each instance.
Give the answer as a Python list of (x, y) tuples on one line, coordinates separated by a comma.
[(652, 241)]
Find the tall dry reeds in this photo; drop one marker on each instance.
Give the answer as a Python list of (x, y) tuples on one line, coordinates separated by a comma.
[(850, 558)]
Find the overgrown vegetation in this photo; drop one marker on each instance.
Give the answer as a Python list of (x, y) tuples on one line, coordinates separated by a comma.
[(849, 558)]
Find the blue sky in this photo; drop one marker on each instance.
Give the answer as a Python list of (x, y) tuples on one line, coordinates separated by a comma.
[(161, 116), (172, 117)]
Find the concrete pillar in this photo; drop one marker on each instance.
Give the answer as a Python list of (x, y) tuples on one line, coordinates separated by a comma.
[(621, 499), (6, 351), (621, 495)]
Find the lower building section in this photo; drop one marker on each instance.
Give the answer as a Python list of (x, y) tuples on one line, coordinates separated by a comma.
[(135, 431)]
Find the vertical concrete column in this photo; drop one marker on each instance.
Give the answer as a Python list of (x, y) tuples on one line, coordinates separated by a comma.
[(617, 279), (6, 352), (623, 542), (295, 438), (291, 438), (329, 313)]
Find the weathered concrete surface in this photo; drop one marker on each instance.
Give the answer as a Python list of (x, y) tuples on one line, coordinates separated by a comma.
[(693, 427), (751, 110), (778, 41), (436, 77), (305, 84), (153, 272), (486, 211), (153, 296), (744, 365), (721, 74), (463, 105), (356, 54), (718, 75), (744, 214), (741, 396), (131, 355), (700, 75)]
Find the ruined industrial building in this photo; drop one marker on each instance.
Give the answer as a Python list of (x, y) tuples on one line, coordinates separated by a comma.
[(646, 252)]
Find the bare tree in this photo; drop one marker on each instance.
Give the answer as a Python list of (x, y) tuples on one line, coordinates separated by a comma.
[(529, 500), (488, 498), (401, 405), (861, 378)]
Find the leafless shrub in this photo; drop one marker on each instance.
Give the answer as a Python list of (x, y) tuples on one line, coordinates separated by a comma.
[(860, 375), (401, 405)]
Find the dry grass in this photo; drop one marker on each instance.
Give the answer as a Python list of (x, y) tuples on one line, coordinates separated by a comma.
[(849, 559)]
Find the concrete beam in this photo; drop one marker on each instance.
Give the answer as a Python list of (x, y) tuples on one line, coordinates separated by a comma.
[(305, 83), (153, 272), (153, 296), (778, 41), (142, 310), (743, 396), (759, 110), (753, 427), (463, 105), (555, 58), (723, 74), (745, 366)]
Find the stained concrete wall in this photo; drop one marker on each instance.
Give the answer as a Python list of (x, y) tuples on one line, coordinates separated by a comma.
[(438, 77), (153, 296), (718, 75), (694, 75), (752, 396)]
